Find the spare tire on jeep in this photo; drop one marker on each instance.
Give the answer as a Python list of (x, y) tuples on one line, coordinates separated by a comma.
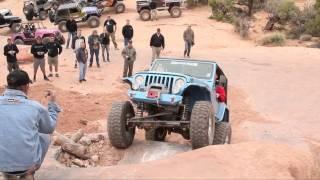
[(93, 21)]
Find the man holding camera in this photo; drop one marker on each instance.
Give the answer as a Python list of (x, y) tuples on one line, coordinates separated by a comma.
[(129, 54), (25, 128), (10, 50)]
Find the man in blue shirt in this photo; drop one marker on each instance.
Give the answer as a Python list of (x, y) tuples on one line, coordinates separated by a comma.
[(25, 128)]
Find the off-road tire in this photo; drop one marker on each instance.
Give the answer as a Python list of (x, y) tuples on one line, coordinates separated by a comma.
[(93, 21), (43, 15), (120, 8), (223, 133), (62, 26), (145, 15), (156, 134), (30, 13), (120, 135), (202, 113), (18, 42), (16, 27), (45, 40), (175, 12)]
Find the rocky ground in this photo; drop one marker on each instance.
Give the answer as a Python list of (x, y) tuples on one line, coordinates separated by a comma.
[(273, 98)]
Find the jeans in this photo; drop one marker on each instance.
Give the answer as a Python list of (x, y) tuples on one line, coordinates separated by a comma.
[(105, 47), (92, 53), (71, 35), (83, 70), (126, 41), (187, 48)]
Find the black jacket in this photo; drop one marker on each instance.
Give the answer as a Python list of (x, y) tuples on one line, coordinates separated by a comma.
[(157, 41), (11, 58), (127, 31), (104, 39), (54, 49), (73, 44), (71, 26), (109, 25), (38, 50)]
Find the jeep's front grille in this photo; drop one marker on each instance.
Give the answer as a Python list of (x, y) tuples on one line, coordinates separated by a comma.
[(165, 81)]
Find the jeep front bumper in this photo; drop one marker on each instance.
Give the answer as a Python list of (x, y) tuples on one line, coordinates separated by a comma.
[(164, 99)]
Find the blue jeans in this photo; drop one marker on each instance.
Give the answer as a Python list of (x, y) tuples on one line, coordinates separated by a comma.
[(71, 35), (83, 70), (92, 53)]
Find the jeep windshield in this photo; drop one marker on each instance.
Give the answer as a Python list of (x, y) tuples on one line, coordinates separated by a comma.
[(200, 70)]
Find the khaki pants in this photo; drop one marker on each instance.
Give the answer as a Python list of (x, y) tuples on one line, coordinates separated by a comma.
[(155, 53), (113, 38), (127, 68)]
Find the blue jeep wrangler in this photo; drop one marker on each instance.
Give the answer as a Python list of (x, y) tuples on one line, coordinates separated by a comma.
[(176, 95)]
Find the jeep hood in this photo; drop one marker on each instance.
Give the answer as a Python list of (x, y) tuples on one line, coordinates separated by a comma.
[(90, 10)]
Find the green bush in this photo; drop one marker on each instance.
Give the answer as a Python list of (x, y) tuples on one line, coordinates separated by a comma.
[(276, 39), (285, 10), (242, 26), (222, 10), (305, 37)]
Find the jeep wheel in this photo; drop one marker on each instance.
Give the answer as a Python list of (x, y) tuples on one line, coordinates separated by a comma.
[(202, 124), (175, 12), (120, 8), (29, 12), (145, 15), (63, 26), (18, 42), (120, 134), (158, 134), (16, 27), (43, 15), (223, 133), (45, 40), (93, 22)]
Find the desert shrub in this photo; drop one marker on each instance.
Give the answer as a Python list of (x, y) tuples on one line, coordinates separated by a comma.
[(276, 39), (242, 26), (305, 37), (222, 10)]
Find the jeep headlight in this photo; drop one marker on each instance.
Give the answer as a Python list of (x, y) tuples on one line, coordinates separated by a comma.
[(178, 85), (138, 81)]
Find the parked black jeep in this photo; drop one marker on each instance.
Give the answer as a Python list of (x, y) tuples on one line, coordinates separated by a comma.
[(8, 20), (38, 8), (172, 6), (80, 13)]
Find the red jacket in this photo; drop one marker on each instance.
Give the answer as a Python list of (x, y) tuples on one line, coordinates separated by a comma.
[(222, 93)]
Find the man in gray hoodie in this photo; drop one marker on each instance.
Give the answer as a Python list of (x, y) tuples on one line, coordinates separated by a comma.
[(129, 55), (188, 37)]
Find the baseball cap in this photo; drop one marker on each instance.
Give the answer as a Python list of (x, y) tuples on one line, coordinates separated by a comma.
[(18, 78)]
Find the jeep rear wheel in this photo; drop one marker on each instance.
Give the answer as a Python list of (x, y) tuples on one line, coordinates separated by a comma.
[(157, 134), (202, 124), (175, 12), (120, 8), (63, 26), (120, 134), (93, 22), (18, 42), (145, 15), (16, 27), (223, 133), (43, 15)]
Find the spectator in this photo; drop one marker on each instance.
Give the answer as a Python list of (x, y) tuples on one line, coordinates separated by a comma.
[(82, 56), (94, 46), (157, 44), (76, 41), (10, 50), (111, 26), (54, 49), (153, 8), (129, 54), (188, 37), (39, 50), (127, 32), (72, 28), (105, 44), (25, 128)]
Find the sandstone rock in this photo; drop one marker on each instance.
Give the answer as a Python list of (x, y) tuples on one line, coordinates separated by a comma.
[(86, 141)]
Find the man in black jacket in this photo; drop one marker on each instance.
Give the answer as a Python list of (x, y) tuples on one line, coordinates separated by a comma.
[(76, 41), (105, 44), (10, 50), (127, 32), (157, 44), (54, 49), (72, 28), (39, 50), (111, 26)]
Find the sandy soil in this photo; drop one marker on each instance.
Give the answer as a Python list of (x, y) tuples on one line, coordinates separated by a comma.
[(273, 95)]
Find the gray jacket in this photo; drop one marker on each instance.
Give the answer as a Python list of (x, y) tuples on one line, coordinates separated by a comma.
[(188, 35), (129, 54), (21, 122)]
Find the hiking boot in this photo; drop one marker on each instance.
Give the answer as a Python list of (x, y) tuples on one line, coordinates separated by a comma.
[(84, 80), (50, 75), (98, 65), (34, 79), (90, 65), (46, 78), (75, 66), (57, 75)]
